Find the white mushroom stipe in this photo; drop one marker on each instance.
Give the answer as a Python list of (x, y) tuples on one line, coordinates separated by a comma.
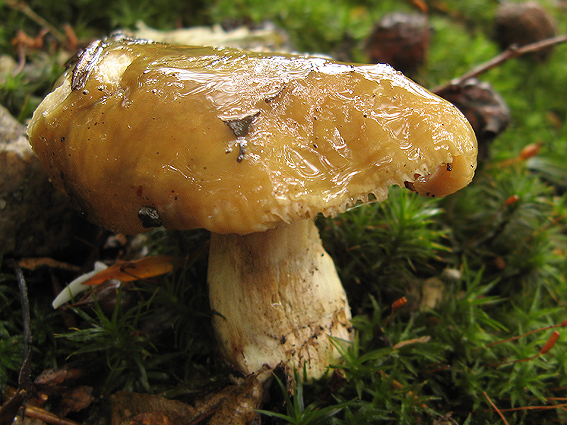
[(276, 295)]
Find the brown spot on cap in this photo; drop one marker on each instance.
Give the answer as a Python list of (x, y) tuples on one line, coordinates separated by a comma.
[(240, 126)]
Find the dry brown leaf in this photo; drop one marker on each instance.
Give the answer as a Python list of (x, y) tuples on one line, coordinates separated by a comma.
[(126, 406), (240, 407), (150, 418), (32, 263), (233, 405), (56, 381), (135, 270), (76, 399)]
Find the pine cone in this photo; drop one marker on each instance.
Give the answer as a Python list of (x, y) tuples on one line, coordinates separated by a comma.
[(484, 108), (523, 23), (401, 40)]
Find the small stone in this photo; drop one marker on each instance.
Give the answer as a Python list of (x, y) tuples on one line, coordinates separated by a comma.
[(36, 220)]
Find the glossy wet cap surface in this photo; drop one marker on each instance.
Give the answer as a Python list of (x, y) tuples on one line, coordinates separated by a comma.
[(143, 135)]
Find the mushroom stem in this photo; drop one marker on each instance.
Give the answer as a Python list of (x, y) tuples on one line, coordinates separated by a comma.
[(277, 298)]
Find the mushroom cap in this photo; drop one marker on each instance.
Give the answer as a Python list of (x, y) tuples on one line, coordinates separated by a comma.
[(143, 134)]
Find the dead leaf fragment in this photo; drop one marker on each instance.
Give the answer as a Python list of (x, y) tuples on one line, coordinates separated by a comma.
[(76, 399), (233, 405), (240, 408), (150, 418), (134, 270), (56, 381), (126, 406), (33, 263)]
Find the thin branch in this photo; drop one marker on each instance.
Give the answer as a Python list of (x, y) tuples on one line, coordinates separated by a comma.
[(510, 53), (25, 386), (24, 382), (47, 417), (23, 7), (32, 263), (15, 397)]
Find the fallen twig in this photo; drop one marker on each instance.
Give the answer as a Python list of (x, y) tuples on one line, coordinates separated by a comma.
[(510, 53), (25, 385), (35, 262), (23, 7)]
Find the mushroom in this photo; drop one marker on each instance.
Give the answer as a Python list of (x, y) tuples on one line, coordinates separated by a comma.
[(251, 147)]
